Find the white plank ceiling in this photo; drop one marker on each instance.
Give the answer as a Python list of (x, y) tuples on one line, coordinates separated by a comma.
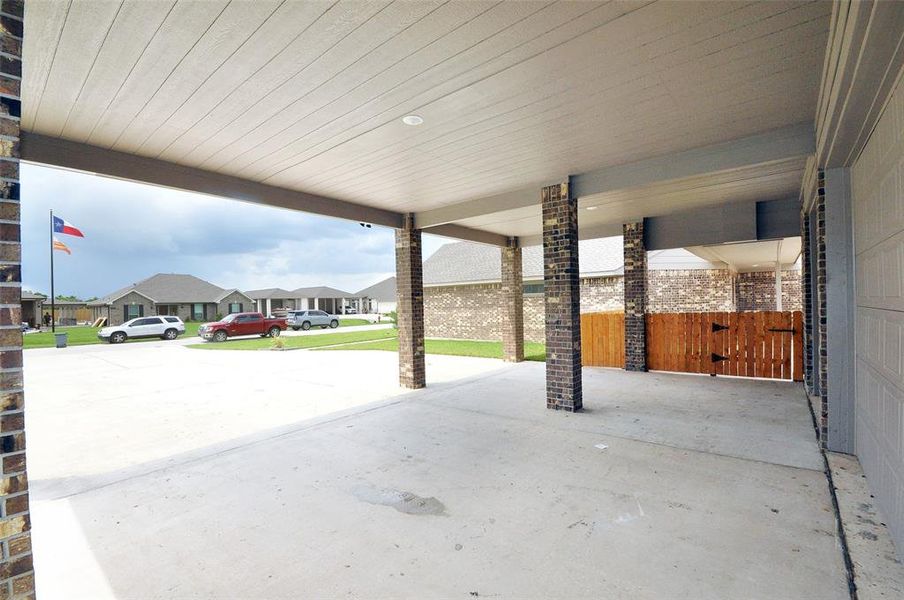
[(309, 95)]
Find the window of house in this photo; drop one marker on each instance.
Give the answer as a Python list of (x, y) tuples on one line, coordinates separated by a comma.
[(134, 311), (197, 312), (533, 289), (235, 307)]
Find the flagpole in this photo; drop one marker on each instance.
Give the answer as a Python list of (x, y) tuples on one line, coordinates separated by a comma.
[(52, 295)]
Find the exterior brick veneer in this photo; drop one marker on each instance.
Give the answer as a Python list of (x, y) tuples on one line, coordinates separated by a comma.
[(807, 300), (756, 290), (561, 279), (690, 290), (512, 304), (635, 297), (410, 309), (821, 377), (16, 571)]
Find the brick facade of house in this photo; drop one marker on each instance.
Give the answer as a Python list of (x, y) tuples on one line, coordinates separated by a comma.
[(691, 290), (756, 291), (475, 311)]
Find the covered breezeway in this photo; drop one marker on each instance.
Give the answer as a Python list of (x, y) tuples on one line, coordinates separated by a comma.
[(666, 486), (674, 124)]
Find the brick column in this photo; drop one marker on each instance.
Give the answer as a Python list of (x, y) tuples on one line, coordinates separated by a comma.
[(820, 376), (635, 297), (16, 572), (806, 300), (512, 303), (410, 310), (562, 293)]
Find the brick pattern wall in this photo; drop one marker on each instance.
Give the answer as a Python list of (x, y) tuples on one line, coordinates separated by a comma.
[(16, 570), (690, 290), (602, 294), (821, 296), (806, 299), (410, 290), (512, 304), (756, 291), (562, 293), (635, 297)]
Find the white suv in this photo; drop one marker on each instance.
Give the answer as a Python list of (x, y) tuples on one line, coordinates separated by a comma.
[(167, 328)]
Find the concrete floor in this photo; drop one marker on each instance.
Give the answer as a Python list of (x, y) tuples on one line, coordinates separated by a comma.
[(165, 472)]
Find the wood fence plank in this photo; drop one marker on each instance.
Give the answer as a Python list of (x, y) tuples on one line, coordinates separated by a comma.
[(787, 338), (797, 351)]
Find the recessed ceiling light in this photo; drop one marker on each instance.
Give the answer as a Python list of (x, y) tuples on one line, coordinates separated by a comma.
[(592, 207), (412, 120)]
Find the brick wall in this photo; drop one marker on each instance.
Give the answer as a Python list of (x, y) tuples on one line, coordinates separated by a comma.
[(756, 291), (602, 294), (16, 570), (821, 376), (692, 290)]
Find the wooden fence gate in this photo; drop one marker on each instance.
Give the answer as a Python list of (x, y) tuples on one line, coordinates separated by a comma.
[(603, 339), (746, 344)]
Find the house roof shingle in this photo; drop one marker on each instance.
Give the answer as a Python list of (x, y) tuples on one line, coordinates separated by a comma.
[(321, 291), (383, 291), (164, 288), (265, 293)]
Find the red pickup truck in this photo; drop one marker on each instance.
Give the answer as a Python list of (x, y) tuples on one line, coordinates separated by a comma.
[(250, 323)]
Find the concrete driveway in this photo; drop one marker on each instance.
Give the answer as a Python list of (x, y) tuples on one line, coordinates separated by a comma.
[(164, 472)]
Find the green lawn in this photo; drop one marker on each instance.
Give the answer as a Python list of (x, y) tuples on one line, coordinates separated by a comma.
[(353, 322), (482, 349), (299, 341), (81, 336)]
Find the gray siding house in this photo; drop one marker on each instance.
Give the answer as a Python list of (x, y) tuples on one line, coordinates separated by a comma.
[(185, 296)]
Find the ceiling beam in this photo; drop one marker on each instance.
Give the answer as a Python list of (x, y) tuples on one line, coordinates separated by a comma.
[(119, 165), (466, 233), (772, 146)]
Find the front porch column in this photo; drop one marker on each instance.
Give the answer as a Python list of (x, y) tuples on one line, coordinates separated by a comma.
[(17, 578), (561, 291), (635, 297), (512, 303), (410, 286)]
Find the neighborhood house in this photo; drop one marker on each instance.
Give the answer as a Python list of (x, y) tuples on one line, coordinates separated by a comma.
[(184, 296)]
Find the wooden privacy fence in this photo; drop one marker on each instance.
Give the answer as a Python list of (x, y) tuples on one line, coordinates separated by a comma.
[(747, 344), (603, 339)]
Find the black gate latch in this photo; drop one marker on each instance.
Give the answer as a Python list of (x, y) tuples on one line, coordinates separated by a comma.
[(718, 327), (779, 330), (718, 357)]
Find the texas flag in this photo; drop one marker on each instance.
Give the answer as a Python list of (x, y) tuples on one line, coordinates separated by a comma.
[(61, 226)]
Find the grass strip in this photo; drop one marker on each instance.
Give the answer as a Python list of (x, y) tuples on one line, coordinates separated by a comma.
[(477, 348), (299, 341)]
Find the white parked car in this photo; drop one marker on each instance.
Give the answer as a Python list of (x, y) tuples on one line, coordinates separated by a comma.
[(167, 328), (305, 319)]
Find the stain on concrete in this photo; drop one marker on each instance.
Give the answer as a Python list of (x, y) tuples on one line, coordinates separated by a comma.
[(404, 502)]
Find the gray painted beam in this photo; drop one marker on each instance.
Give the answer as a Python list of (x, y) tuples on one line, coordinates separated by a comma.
[(779, 144), (778, 219), (729, 223), (109, 163), (702, 226), (839, 310), (466, 233)]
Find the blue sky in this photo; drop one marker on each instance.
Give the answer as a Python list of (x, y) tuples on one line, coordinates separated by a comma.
[(133, 231)]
